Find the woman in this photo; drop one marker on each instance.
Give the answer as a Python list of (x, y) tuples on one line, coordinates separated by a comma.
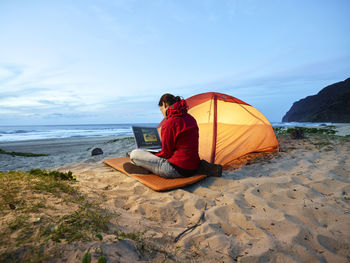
[(179, 135)]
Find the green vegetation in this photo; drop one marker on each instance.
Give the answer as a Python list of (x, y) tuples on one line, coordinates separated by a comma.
[(102, 259), (321, 139), (42, 211), (80, 225), (39, 207), (23, 154), (329, 130), (284, 131), (54, 174), (86, 258)]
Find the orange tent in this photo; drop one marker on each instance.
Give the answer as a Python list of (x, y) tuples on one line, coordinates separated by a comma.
[(229, 128)]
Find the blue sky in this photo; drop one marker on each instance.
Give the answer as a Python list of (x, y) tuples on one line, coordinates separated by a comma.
[(99, 61)]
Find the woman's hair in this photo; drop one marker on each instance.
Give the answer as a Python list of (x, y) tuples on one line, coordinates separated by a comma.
[(168, 99)]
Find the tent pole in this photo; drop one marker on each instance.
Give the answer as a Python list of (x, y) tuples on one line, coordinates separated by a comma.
[(215, 130)]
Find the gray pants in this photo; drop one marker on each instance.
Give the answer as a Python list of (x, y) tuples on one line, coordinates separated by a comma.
[(155, 164)]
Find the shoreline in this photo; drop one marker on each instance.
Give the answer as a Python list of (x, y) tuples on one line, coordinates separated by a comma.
[(68, 139), (63, 151)]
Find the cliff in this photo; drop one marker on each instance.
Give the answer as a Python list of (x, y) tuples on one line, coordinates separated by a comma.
[(331, 104)]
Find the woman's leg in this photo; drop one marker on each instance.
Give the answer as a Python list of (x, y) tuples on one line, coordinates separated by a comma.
[(155, 164)]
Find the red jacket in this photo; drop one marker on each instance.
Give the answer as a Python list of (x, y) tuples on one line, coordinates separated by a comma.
[(179, 135)]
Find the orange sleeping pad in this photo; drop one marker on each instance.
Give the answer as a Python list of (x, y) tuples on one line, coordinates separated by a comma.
[(153, 181)]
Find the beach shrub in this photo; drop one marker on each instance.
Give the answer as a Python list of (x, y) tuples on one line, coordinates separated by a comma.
[(284, 131), (54, 174), (327, 131), (297, 134)]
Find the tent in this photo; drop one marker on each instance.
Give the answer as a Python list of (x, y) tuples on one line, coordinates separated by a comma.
[(229, 128)]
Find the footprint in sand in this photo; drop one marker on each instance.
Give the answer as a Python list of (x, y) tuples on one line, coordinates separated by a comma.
[(139, 190)]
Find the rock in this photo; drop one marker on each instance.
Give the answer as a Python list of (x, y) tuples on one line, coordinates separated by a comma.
[(331, 104), (96, 151), (297, 134)]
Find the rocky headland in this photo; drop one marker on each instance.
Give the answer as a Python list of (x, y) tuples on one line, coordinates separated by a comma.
[(331, 104)]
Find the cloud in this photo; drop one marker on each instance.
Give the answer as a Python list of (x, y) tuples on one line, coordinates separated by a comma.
[(49, 94), (274, 92), (114, 59), (272, 82), (8, 72)]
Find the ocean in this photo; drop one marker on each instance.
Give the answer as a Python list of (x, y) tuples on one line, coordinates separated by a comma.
[(38, 132)]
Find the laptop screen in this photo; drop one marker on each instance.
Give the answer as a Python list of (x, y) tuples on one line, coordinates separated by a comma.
[(146, 137)]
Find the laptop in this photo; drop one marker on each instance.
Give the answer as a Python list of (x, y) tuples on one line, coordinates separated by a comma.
[(147, 138)]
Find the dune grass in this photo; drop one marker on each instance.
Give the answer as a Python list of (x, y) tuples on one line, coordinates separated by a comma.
[(42, 211), (40, 208)]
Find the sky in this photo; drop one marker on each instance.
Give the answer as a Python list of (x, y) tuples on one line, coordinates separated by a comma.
[(109, 61)]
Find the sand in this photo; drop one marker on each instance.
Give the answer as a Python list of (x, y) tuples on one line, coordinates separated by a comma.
[(62, 152), (293, 206)]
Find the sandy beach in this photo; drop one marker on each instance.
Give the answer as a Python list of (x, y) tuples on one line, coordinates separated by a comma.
[(291, 206), (62, 151)]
